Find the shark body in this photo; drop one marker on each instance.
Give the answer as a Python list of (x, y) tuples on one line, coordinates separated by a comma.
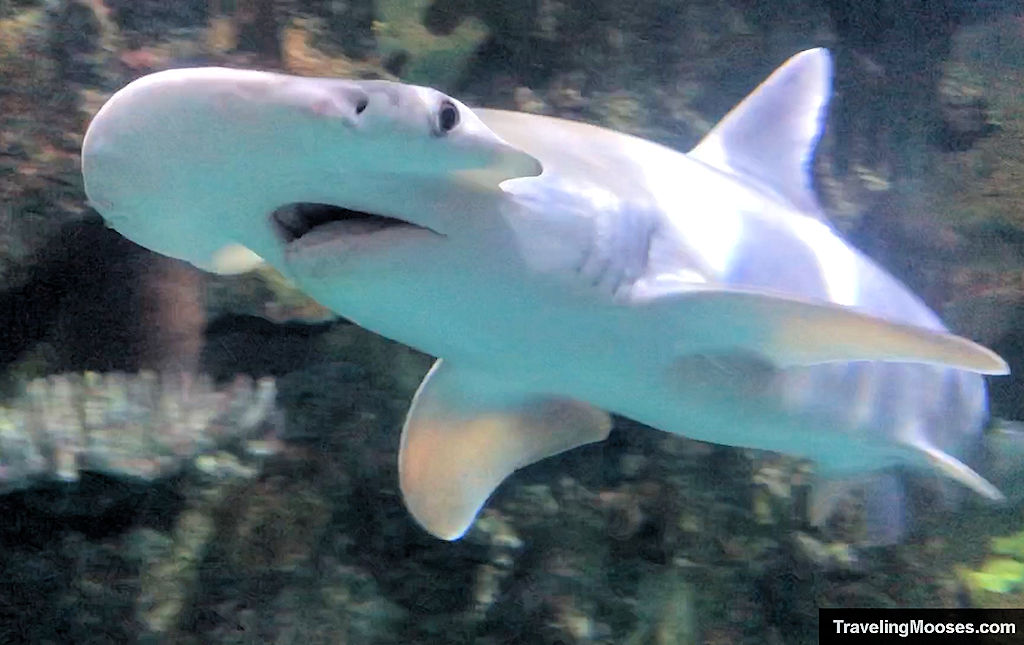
[(559, 270)]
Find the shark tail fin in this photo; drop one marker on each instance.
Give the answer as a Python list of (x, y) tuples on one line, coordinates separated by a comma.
[(770, 136)]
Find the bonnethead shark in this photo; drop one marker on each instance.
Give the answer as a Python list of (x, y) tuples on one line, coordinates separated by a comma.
[(560, 271)]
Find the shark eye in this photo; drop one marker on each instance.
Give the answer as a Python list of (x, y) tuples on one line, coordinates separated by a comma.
[(447, 117)]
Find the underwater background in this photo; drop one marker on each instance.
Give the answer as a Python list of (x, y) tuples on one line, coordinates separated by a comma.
[(205, 459)]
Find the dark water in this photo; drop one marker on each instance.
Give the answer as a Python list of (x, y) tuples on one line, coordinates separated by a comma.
[(187, 457)]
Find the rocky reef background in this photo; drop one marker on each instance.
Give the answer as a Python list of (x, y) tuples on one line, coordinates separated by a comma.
[(143, 507)]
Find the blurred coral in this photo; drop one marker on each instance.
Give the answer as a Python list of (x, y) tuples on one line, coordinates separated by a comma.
[(144, 426)]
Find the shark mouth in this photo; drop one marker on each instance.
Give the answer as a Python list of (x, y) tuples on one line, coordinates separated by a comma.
[(294, 221)]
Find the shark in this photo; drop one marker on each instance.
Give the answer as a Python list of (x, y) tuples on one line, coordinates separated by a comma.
[(559, 271)]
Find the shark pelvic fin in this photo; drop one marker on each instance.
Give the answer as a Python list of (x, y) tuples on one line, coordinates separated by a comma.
[(465, 433), (233, 258), (790, 332), (769, 138)]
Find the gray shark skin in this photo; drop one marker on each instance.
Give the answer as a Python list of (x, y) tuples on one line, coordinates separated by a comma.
[(559, 271)]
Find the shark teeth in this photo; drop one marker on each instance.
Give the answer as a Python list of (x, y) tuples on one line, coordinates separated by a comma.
[(293, 221)]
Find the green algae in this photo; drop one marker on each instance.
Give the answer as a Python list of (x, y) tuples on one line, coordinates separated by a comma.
[(432, 59), (1011, 545), (997, 575), (1001, 575)]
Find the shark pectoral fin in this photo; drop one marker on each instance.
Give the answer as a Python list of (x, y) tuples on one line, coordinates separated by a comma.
[(790, 332), (961, 472), (465, 434), (806, 333)]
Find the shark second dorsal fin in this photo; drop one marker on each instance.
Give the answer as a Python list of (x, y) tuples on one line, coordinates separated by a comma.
[(769, 138), (233, 259), (465, 433)]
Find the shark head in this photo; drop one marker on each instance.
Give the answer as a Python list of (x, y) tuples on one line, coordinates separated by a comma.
[(194, 162)]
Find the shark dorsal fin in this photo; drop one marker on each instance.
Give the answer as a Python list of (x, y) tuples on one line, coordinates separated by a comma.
[(770, 136)]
